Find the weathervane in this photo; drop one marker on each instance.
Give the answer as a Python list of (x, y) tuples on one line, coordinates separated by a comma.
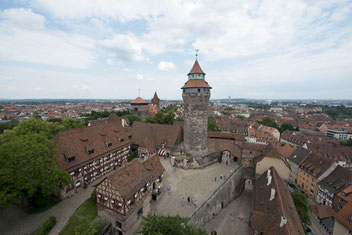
[(196, 53)]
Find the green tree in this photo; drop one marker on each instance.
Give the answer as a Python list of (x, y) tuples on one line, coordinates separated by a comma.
[(212, 125), (240, 117), (28, 168), (132, 118), (8, 125), (132, 155), (302, 206), (87, 227), (346, 143), (70, 123), (268, 121), (169, 118), (286, 126), (168, 225)]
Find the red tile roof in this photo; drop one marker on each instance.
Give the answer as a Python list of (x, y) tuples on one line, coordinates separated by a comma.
[(139, 100), (196, 83), (196, 68), (344, 216), (323, 211)]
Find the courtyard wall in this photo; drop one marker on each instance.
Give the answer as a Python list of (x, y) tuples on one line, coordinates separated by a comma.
[(224, 195)]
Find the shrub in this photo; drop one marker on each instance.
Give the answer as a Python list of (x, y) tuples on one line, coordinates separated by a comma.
[(46, 226)]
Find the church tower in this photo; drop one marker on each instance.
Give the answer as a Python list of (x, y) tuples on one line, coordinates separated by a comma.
[(196, 94)]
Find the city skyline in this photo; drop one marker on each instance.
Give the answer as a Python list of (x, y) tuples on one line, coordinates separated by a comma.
[(104, 50)]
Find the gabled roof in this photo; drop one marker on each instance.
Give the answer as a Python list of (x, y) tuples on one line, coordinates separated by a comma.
[(139, 100), (299, 155), (154, 166), (344, 216), (323, 211), (285, 149), (196, 69), (130, 179), (336, 180), (78, 141), (266, 214), (163, 133), (196, 83)]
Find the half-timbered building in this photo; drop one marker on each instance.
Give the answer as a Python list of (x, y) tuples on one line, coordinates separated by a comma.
[(125, 195), (88, 153)]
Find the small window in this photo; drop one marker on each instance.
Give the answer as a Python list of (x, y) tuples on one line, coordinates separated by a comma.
[(71, 159), (118, 224), (122, 140), (109, 144), (198, 90), (90, 151)]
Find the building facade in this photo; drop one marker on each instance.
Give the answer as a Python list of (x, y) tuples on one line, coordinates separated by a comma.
[(87, 153), (125, 195), (196, 94)]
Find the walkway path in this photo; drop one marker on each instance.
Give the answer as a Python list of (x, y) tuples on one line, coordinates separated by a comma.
[(15, 221), (234, 218)]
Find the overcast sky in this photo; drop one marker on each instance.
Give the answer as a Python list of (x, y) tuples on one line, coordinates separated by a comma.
[(109, 49)]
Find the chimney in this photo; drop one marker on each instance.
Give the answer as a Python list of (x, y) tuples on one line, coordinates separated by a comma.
[(268, 173), (269, 180), (272, 194), (283, 221)]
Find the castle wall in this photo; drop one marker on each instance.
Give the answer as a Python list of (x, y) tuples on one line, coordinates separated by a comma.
[(196, 122), (224, 195)]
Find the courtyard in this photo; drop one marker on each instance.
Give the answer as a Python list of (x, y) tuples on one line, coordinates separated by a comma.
[(198, 184)]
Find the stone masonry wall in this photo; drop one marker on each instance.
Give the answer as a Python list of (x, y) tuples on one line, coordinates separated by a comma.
[(224, 195), (196, 122)]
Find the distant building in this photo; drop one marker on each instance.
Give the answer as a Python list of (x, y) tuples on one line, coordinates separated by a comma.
[(342, 198), (294, 160), (339, 134), (139, 107)]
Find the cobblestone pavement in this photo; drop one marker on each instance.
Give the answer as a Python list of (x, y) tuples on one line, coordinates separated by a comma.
[(234, 218), (196, 183), (15, 221)]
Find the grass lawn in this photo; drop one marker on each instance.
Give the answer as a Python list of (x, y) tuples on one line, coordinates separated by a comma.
[(37, 210), (88, 210)]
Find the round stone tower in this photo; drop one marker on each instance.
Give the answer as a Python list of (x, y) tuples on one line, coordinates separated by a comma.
[(196, 94)]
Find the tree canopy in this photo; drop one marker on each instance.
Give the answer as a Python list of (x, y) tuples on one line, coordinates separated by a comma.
[(302, 206), (28, 166), (212, 125), (286, 126), (346, 142), (168, 225), (161, 118)]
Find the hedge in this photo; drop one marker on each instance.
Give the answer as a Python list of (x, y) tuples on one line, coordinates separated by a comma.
[(46, 226)]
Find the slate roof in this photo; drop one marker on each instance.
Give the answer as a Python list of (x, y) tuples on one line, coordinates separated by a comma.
[(155, 99), (299, 155), (266, 215), (196, 68), (78, 141), (336, 180)]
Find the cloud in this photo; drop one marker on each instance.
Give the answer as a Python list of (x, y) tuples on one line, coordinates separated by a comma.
[(166, 66), (38, 45), (123, 48), (139, 77), (20, 17)]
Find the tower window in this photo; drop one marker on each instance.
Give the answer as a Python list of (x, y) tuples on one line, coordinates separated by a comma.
[(198, 90)]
